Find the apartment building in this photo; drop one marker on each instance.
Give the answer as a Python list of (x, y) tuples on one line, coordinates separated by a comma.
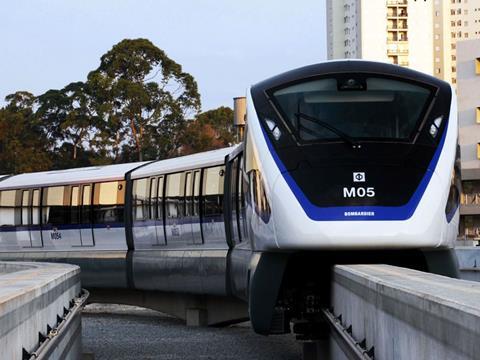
[(421, 34), (468, 89)]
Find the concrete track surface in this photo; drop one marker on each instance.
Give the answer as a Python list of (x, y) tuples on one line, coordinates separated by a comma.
[(127, 333)]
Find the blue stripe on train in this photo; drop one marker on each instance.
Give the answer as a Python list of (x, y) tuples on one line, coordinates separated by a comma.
[(13, 228), (343, 213)]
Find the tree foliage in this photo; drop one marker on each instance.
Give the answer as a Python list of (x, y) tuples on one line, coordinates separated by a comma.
[(22, 141), (137, 105)]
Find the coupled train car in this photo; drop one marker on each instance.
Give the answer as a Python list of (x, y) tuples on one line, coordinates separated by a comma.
[(342, 162)]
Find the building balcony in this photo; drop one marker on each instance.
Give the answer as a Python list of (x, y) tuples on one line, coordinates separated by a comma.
[(397, 15), (397, 40), (397, 2), (470, 204), (397, 51), (397, 27)]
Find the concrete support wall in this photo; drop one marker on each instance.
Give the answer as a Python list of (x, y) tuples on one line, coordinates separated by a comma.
[(407, 314), (32, 297)]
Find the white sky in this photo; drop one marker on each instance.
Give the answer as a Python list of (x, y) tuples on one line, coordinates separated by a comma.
[(226, 45)]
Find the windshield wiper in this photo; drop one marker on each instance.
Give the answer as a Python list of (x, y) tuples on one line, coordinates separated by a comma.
[(339, 133)]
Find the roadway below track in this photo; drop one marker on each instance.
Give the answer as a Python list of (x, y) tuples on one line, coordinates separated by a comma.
[(127, 333)]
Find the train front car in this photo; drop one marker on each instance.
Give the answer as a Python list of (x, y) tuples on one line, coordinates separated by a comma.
[(349, 162)]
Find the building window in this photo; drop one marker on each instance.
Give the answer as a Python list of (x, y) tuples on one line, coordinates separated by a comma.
[(478, 150), (477, 65), (477, 115)]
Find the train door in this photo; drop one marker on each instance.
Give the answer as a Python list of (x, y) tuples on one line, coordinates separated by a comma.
[(35, 228), (239, 254), (76, 239), (174, 208), (232, 203), (23, 232), (159, 222), (196, 226), (187, 231), (86, 223)]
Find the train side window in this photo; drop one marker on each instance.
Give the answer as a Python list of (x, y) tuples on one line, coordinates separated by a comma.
[(160, 199), (7, 208), (196, 193), (109, 199), (213, 223), (25, 213), (140, 204), (86, 212), (74, 208), (174, 196), (234, 192), (53, 210), (153, 198), (188, 194), (242, 187), (36, 207)]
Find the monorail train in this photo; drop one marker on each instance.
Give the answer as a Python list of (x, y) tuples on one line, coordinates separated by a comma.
[(343, 161)]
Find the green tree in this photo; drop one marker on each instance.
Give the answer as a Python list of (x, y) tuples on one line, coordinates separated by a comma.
[(23, 144), (69, 122), (143, 98)]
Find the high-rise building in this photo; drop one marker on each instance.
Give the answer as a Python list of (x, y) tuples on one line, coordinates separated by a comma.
[(468, 85), (421, 34)]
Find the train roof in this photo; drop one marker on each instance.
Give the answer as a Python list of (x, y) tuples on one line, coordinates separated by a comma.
[(69, 176), (195, 161), (114, 172)]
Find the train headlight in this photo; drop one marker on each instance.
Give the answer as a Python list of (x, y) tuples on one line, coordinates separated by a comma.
[(435, 126), (274, 129)]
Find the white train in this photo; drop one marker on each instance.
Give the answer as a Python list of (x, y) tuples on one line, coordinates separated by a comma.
[(344, 161)]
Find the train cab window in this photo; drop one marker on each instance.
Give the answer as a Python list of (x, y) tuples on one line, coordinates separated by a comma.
[(213, 223), (174, 196), (7, 207), (351, 106), (36, 207), (74, 208), (109, 199), (140, 203), (25, 213), (54, 211)]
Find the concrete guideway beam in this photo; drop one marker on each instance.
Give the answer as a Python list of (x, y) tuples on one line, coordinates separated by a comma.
[(407, 314), (34, 299)]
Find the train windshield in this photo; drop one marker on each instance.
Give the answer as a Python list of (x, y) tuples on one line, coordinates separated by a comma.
[(353, 108)]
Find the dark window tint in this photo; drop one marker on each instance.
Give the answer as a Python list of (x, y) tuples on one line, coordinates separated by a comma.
[(160, 199), (109, 202), (213, 224), (140, 199), (75, 208), (174, 196), (86, 210), (25, 207), (357, 106), (54, 210), (7, 207)]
